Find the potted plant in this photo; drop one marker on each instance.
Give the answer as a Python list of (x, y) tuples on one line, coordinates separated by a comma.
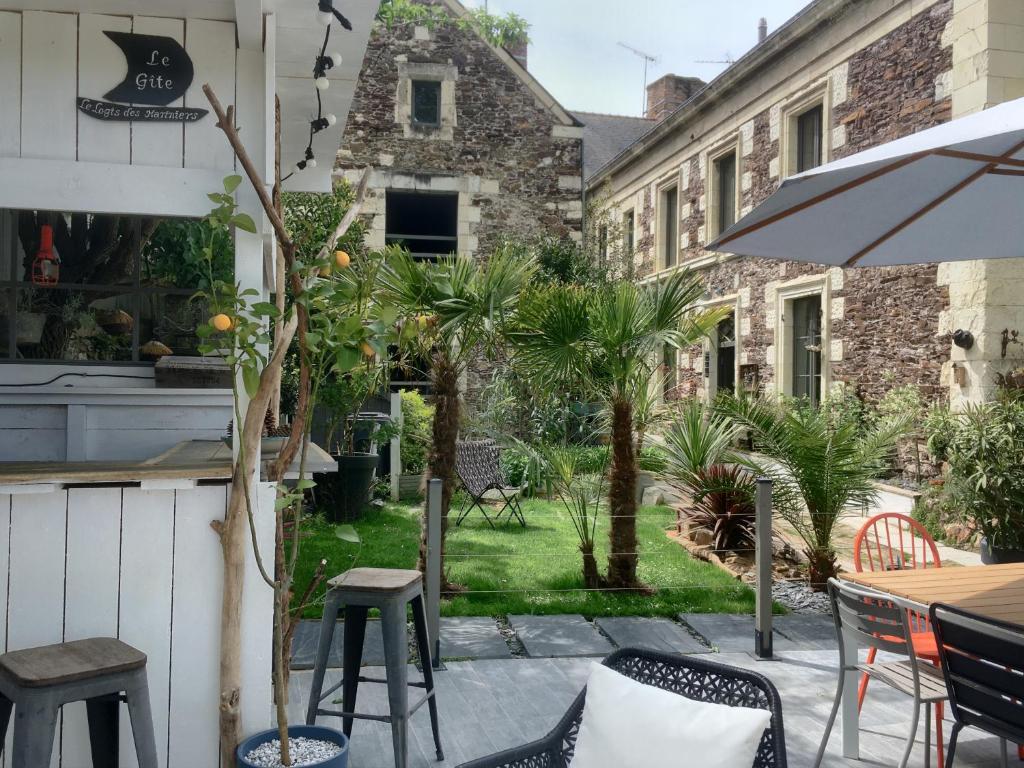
[(984, 449)]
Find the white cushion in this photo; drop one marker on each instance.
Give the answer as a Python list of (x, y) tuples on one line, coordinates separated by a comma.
[(627, 724)]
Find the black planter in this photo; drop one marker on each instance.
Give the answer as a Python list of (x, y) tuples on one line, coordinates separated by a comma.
[(318, 732), (344, 495), (998, 555)]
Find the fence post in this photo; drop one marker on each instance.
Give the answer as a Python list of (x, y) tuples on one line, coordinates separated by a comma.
[(763, 564), (396, 445), (433, 577)]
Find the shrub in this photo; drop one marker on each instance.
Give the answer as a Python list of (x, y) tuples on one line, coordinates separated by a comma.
[(723, 502), (417, 418)]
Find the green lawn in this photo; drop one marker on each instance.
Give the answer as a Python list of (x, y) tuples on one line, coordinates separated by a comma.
[(531, 570)]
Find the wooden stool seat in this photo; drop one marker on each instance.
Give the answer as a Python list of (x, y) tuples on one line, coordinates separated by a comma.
[(71, 662), (375, 579)]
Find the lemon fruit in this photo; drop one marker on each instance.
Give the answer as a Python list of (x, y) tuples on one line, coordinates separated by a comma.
[(342, 259), (221, 322), (368, 351)]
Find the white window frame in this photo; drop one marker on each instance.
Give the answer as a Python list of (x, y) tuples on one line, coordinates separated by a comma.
[(661, 212), (732, 145), (785, 295), (709, 348), (795, 106)]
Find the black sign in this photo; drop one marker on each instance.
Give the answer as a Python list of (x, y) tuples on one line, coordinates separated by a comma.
[(159, 72)]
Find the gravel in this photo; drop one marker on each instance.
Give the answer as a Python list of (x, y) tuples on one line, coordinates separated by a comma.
[(800, 598), (303, 752)]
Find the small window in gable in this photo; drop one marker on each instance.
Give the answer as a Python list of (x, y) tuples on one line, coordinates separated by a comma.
[(426, 103)]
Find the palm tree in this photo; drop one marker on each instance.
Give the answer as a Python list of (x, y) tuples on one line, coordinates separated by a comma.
[(820, 463), (604, 341), (453, 310)]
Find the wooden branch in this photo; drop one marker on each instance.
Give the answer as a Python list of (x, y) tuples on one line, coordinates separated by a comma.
[(225, 121), (349, 217)]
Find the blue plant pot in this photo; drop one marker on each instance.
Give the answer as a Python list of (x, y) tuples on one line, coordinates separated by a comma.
[(318, 732)]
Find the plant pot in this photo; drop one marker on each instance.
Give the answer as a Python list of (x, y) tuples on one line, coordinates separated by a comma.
[(29, 327), (998, 555), (344, 495), (307, 731), (409, 485)]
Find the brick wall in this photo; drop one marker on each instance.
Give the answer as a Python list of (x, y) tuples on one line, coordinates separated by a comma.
[(884, 321)]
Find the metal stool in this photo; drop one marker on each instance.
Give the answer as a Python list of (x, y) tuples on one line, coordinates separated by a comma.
[(102, 671), (389, 590)]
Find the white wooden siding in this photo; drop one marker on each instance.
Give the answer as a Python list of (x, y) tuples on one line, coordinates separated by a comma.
[(48, 60), (144, 566)]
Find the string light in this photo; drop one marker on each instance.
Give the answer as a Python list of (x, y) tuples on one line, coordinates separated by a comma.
[(326, 13)]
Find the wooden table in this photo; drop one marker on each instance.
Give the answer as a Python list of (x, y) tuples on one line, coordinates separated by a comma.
[(996, 591)]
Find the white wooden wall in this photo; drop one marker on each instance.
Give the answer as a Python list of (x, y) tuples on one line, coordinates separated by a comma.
[(48, 60), (144, 566)]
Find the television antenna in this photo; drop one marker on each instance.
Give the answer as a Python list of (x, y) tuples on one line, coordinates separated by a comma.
[(648, 59)]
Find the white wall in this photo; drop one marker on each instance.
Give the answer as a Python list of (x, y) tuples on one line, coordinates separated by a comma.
[(146, 567)]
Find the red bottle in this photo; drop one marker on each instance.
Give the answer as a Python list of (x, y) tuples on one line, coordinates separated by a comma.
[(46, 265)]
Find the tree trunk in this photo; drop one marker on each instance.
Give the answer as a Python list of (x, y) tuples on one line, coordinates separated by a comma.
[(622, 557), (821, 567), (441, 462), (591, 576)]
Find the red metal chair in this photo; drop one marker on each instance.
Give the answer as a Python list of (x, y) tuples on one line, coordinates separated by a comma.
[(892, 541)]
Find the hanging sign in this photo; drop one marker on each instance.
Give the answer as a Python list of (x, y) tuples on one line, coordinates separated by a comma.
[(159, 72)]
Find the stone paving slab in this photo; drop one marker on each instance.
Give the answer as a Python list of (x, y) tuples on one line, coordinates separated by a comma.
[(656, 634), (813, 632), (472, 637), (730, 633), (307, 635), (557, 636)]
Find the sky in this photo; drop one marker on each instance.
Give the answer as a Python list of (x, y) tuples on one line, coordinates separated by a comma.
[(574, 49)]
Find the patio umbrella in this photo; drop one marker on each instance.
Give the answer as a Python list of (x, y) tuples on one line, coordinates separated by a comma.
[(949, 193)]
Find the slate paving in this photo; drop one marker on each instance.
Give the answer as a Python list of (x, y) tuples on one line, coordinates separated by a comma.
[(807, 631), (558, 636), (472, 637), (656, 634), (307, 635), (731, 633)]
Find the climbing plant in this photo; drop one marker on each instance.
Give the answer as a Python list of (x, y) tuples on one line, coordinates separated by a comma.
[(504, 30)]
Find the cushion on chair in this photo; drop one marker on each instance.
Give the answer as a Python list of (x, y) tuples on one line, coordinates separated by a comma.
[(627, 724)]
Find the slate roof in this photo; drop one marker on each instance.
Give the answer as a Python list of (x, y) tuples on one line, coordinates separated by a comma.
[(605, 136)]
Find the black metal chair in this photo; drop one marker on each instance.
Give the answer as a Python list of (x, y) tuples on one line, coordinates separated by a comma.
[(983, 664), (478, 466), (688, 676)]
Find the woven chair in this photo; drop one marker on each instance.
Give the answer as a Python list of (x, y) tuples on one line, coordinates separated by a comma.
[(688, 676), (478, 466)]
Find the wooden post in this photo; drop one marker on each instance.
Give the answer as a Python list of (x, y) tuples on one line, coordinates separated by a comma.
[(396, 445), (433, 576), (763, 563)]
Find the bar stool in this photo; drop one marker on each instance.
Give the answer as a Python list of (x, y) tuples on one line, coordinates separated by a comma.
[(390, 591), (102, 671)]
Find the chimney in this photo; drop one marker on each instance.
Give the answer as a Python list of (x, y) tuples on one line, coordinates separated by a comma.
[(762, 30), (668, 93), (519, 51)]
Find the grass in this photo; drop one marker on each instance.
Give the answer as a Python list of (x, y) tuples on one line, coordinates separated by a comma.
[(532, 570)]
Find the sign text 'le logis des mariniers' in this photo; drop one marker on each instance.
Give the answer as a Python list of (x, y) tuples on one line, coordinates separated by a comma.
[(159, 72)]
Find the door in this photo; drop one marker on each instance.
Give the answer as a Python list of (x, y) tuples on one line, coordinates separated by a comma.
[(806, 359)]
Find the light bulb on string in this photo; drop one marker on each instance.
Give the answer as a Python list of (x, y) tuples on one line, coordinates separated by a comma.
[(322, 83), (323, 123), (324, 18)]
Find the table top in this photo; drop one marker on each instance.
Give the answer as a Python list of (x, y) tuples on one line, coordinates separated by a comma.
[(996, 591)]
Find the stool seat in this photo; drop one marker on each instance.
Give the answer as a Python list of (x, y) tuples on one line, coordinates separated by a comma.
[(70, 662), (375, 579)]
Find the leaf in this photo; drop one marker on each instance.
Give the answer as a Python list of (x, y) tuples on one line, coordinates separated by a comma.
[(251, 379), (347, 359), (282, 502), (347, 533), (231, 183), (244, 222), (304, 484), (265, 309)]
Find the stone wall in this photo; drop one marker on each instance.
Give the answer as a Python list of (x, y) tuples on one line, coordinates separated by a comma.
[(515, 162), (882, 323)]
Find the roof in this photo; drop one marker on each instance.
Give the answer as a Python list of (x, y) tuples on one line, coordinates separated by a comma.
[(802, 26), (460, 11), (605, 136)]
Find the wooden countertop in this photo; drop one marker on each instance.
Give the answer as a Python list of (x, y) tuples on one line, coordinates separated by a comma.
[(189, 460)]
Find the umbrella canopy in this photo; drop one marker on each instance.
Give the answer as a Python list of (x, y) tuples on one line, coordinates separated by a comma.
[(950, 193)]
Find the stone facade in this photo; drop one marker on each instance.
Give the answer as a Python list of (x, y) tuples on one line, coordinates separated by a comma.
[(509, 151), (880, 326)]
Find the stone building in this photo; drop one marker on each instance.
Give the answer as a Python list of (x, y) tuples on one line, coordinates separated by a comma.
[(465, 144), (837, 78)]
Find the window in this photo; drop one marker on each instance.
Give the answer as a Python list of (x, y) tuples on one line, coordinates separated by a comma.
[(426, 102), (725, 191), (423, 222), (808, 139), (669, 227), (806, 355), (118, 289), (725, 348), (602, 246), (628, 233)]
